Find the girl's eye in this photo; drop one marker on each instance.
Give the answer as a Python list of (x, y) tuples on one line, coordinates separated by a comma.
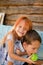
[(20, 26), (25, 28)]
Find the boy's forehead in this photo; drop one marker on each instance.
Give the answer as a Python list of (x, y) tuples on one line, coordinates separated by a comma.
[(35, 43)]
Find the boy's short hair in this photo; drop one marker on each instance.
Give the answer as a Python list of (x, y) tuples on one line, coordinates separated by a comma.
[(30, 36)]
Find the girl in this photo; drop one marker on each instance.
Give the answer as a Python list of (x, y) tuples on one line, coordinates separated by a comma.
[(21, 26)]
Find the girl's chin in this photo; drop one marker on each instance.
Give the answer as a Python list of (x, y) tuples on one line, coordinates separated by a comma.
[(20, 36)]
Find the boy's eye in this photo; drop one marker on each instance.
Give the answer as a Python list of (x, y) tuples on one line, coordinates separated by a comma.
[(33, 48)]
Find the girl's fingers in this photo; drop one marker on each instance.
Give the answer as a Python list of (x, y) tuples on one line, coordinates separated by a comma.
[(29, 57), (30, 61)]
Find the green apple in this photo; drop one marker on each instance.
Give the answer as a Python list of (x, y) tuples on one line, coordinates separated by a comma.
[(34, 57)]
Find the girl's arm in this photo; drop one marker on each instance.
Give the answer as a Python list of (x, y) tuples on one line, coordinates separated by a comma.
[(14, 56)]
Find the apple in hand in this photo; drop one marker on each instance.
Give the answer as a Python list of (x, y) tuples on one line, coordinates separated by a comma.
[(34, 57)]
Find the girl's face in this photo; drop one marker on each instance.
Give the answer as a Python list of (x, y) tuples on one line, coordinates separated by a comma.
[(32, 48), (22, 28)]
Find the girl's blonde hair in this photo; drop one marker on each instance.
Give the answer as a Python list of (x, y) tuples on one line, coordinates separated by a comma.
[(19, 20), (15, 25)]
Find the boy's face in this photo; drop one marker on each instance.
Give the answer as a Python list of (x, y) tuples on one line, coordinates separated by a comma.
[(22, 28), (32, 48)]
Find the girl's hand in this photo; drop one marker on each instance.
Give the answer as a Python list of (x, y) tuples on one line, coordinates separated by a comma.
[(30, 61), (18, 52)]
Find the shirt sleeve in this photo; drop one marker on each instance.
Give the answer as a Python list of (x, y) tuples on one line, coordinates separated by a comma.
[(10, 37)]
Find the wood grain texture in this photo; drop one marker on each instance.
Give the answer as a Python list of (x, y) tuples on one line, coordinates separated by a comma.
[(23, 10), (13, 9), (21, 2)]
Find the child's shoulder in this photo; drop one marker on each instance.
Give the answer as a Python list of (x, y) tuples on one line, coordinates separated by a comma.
[(10, 36)]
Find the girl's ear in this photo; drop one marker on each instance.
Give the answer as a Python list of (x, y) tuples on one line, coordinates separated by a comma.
[(24, 45)]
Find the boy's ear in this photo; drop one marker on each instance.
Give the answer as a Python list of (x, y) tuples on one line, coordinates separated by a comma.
[(24, 45)]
